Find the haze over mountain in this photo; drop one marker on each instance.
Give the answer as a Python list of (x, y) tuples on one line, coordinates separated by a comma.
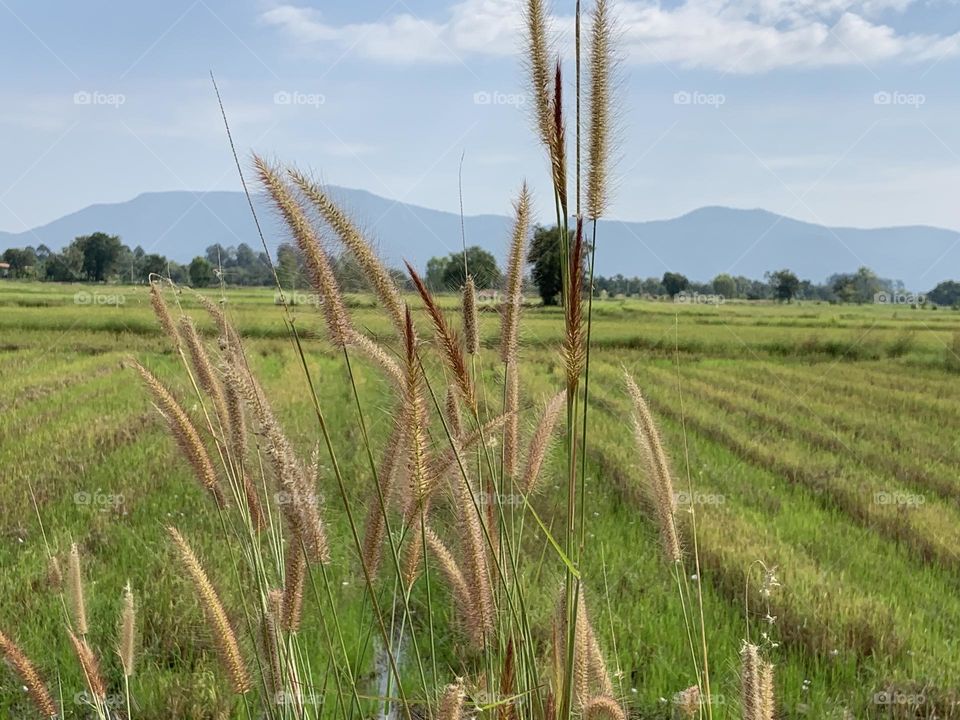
[(699, 244)]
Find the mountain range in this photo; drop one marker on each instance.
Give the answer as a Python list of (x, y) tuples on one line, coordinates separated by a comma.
[(699, 244)]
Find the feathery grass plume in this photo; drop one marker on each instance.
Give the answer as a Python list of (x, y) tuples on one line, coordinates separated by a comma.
[(575, 341), (297, 498), (421, 481), (558, 152), (54, 574), (374, 351), (376, 527), (377, 275), (447, 337), (537, 58), (459, 589), (128, 619), (651, 450), (768, 702), (750, 698), (237, 421), (224, 637), (540, 442), (270, 639), (513, 300), (603, 707), (471, 326), (474, 542), (294, 574), (206, 377), (511, 434), (590, 676), (454, 421), (184, 432), (75, 583), (162, 312), (451, 704), (24, 668), (688, 702), (90, 666), (599, 121), (315, 257)]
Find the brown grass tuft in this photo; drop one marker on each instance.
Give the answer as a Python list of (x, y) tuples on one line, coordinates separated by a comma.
[(294, 574), (451, 704), (315, 257), (750, 697), (452, 414), (603, 707), (162, 312), (575, 341), (658, 470), (75, 584), (225, 638), (537, 58), (460, 591), (600, 121), (24, 668), (471, 326), (377, 275), (768, 700), (451, 348), (128, 619), (558, 149), (513, 292), (540, 442), (90, 666), (184, 432)]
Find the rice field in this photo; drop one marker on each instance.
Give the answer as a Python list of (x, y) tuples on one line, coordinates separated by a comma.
[(817, 444)]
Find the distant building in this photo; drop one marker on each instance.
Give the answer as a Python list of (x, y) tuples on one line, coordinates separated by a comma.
[(4, 269)]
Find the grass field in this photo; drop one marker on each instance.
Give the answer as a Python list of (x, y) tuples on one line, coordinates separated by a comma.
[(818, 440)]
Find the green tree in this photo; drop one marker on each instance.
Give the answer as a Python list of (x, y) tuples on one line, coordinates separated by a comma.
[(784, 284), (544, 255), (100, 252), (675, 283), (152, 263), (946, 293), (22, 261), (725, 285), (200, 271), (481, 264), (436, 271)]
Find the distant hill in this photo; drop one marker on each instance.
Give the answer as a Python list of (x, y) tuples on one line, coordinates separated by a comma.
[(700, 244)]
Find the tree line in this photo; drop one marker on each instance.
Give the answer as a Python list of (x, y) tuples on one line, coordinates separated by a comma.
[(100, 257)]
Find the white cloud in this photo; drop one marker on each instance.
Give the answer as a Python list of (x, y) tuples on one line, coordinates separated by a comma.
[(740, 36)]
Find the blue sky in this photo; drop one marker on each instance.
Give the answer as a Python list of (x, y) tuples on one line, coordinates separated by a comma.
[(843, 112)]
